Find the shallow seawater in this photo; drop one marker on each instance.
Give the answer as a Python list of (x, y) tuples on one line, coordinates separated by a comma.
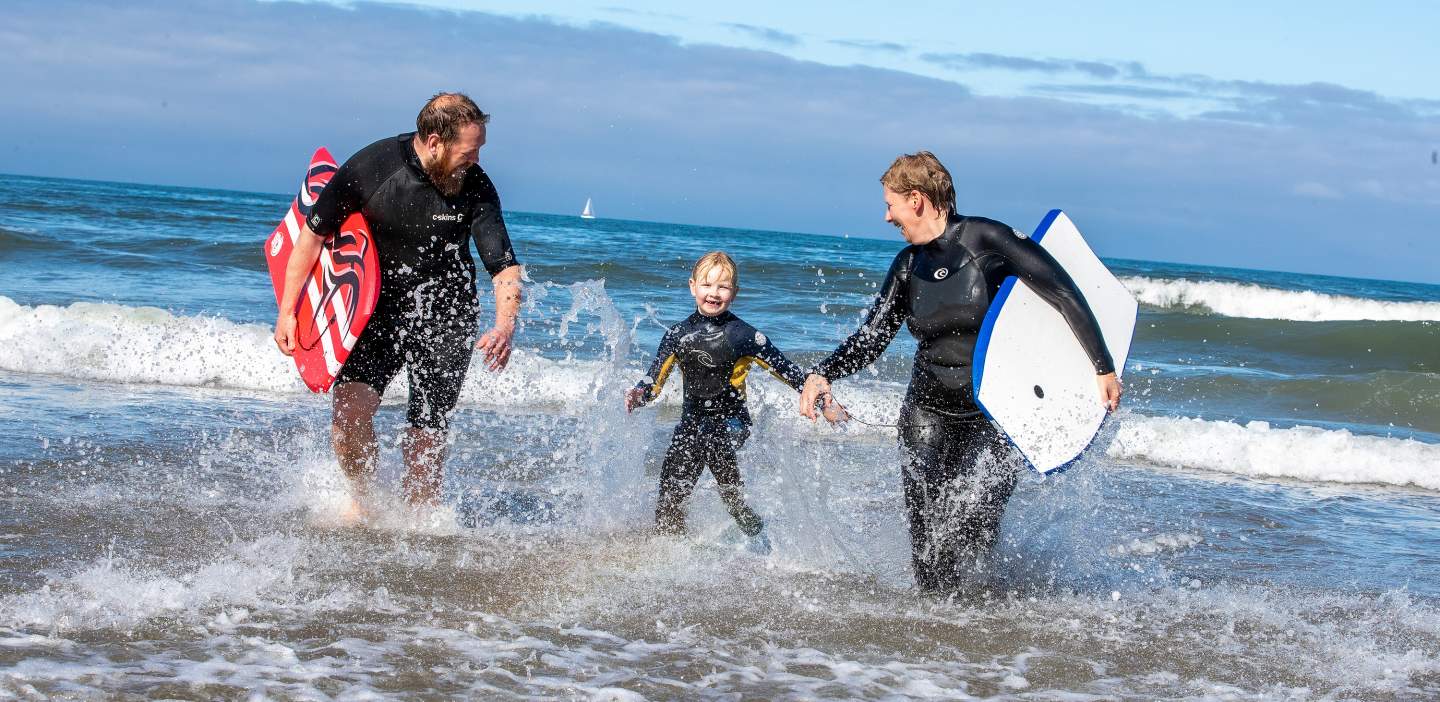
[(205, 557), (1260, 522)]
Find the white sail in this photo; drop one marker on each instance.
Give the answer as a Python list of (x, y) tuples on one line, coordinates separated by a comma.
[(587, 213)]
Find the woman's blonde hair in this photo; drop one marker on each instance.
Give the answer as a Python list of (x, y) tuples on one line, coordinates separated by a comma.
[(715, 259), (924, 173)]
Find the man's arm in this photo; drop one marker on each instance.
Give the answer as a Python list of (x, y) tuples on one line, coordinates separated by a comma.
[(297, 270), (345, 193), (496, 344)]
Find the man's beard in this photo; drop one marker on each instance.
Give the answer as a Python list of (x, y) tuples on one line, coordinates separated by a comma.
[(447, 182)]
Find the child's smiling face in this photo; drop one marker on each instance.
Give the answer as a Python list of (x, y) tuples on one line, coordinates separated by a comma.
[(713, 291)]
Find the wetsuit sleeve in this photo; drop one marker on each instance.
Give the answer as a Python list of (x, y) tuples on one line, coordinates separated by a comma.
[(487, 228), (345, 194), (352, 186), (665, 358), (759, 347), (881, 324), (1031, 263)]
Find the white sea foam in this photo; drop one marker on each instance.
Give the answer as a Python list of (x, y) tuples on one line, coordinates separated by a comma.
[(147, 345), (111, 594), (115, 343), (1258, 302), (1362, 646), (140, 345), (1159, 543), (1260, 450)]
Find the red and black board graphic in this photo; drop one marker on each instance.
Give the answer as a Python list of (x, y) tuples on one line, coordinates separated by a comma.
[(340, 293)]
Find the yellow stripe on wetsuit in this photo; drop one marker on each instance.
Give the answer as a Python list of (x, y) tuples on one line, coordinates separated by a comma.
[(742, 369), (660, 377)]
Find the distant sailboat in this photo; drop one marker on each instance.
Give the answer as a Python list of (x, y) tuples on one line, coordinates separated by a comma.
[(587, 213)]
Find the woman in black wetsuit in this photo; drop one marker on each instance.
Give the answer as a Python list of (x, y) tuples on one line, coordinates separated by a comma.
[(958, 470)]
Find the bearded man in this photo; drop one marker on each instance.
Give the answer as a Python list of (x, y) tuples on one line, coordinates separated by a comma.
[(425, 198)]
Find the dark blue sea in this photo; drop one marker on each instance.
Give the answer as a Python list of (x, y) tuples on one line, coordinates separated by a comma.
[(1260, 521)]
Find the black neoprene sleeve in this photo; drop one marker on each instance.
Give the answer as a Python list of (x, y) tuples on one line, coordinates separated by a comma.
[(882, 323), (1031, 263)]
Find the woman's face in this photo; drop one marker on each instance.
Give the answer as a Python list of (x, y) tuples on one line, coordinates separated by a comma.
[(901, 211)]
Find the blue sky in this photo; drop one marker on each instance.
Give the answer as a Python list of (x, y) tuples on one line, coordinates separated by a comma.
[(1289, 136)]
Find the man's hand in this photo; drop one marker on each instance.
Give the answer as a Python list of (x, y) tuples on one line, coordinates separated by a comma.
[(816, 388), (285, 333), (496, 342), (634, 397), (1110, 390), (302, 259), (495, 346)]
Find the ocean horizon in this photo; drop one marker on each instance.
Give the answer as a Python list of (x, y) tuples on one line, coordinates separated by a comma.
[(284, 197)]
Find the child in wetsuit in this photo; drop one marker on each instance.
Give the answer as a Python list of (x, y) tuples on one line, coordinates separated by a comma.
[(714, 350)]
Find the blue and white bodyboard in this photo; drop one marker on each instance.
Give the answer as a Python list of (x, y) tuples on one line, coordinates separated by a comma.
[(1031, 376)]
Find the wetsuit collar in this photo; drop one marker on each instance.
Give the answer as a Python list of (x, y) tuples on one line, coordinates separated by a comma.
[(721, 318), (412, 159), (954, 224), (950, 235)]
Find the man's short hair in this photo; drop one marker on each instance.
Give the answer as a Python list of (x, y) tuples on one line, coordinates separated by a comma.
[(924, 173), (446, 114), (715, 259)]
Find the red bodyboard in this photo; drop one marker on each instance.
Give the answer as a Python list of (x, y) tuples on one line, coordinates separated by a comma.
[(341, 291)]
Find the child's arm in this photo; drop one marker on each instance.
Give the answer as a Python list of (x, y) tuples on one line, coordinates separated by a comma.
[(783, 368), (650, 386), (775, 361)]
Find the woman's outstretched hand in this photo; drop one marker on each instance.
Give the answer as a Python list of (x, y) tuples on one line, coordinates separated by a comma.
[(816, 389)]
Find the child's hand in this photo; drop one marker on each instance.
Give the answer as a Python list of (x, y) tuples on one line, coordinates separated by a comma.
[(634, 397), (834, 411)]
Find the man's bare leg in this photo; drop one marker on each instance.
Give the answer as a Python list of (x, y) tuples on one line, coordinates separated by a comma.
[(424, 465), (352, 434)]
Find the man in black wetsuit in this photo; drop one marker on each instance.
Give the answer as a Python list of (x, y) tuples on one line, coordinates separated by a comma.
[(425, 198), (958, 471), (714, 350)]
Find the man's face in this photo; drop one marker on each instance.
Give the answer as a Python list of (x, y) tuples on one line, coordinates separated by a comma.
[(449, 162), (900, 211), (713, 291)]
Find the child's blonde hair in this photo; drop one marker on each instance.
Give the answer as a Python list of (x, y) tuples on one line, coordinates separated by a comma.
[(715, 259)]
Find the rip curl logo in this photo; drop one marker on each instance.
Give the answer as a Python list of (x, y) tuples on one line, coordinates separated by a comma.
[(275, 243), (457, 217), (703, 358), (1019, 234), (941, 273)]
